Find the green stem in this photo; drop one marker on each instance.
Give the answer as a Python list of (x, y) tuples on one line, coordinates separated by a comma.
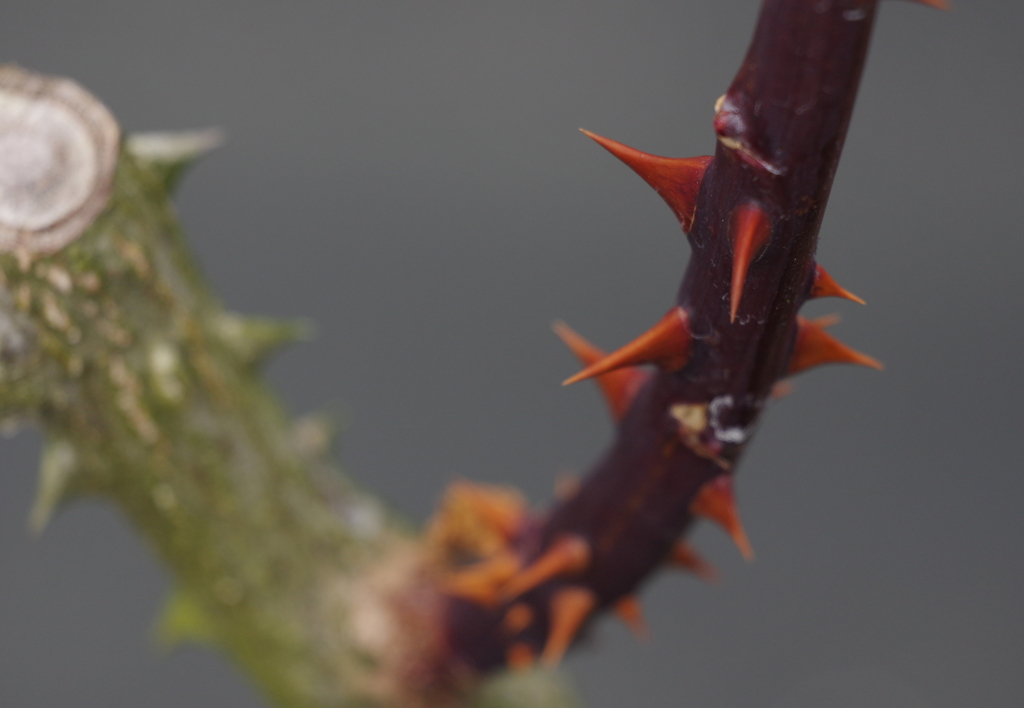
[(150, 396)]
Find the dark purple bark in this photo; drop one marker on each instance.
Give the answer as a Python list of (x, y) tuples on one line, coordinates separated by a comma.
[(781, 128)]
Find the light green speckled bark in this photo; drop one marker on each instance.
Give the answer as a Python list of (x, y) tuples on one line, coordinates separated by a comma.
[(150, 396)]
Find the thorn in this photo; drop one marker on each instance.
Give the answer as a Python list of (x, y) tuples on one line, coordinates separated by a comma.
[(570, 608), (569, 554), (781, 389), (520, 656), (481, 582), (619, 386), (684, 556), (750, 231), (676, 179), (313, 434), (517, 618), (629, 610), (825, 286), (814, 346), (183, 619), (827, 321), (254, 339), (937, 4), (170, 154), (666, 344), (716, 501), (56, 473)]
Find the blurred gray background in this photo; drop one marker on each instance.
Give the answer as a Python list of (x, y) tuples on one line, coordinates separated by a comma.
[(409, 175)]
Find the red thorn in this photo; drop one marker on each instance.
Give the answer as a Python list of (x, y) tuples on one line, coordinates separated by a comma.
[(517, 618), (684, 556), (618, 386), (629, 610), (716, 501), (676, 179), (666, 344), (825, 286), (814, 346), (567, 555), (520, 656), (480, 583), (750, 231), (937, 4), (570, 608)]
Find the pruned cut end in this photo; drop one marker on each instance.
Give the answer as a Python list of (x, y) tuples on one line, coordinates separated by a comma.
[(59, 147)]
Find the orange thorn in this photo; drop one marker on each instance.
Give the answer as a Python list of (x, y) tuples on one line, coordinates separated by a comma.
[(676, 179), (570, 608), (666, 344), (619, 386), (517, 618), (825, 286), (631, 613), (937, 4), (716, 501), (568, 554), (781, 389), (814, 346), (750, 231), (482, 581), (520, 656), (684, 556)]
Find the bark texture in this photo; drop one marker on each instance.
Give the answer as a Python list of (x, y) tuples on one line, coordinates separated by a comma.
[(780, 128), (150, 396)]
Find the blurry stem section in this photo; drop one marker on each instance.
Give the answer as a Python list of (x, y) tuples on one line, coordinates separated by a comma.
[(150, 396)]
